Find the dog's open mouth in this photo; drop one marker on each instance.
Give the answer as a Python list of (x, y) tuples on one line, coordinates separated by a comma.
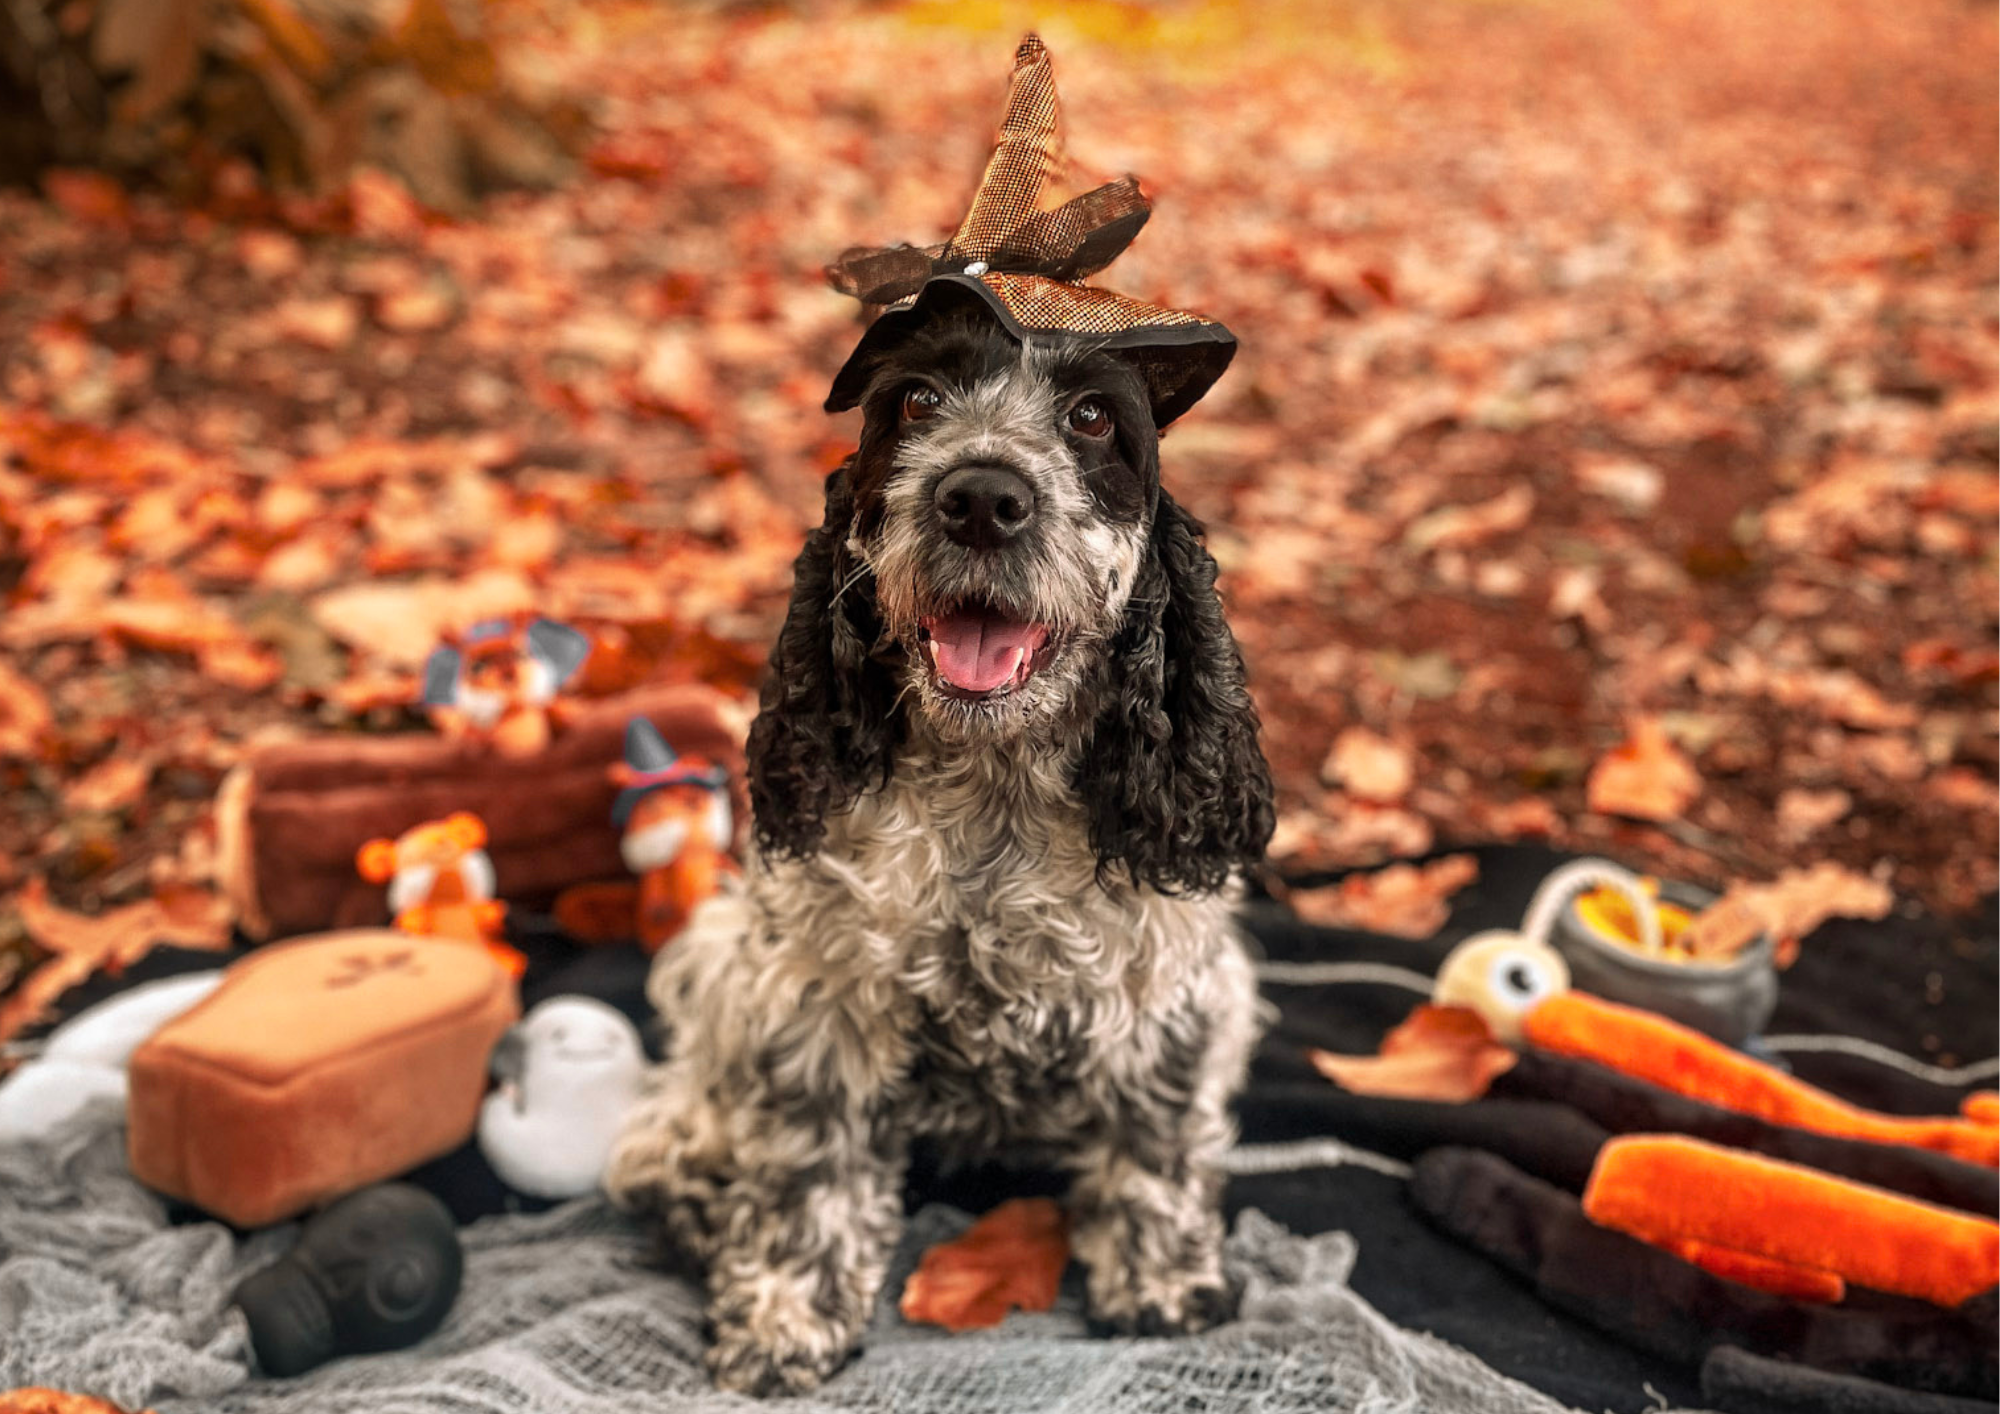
[(978, 651)]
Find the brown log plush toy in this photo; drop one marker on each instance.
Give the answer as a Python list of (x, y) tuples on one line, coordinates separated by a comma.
[(294, 815)]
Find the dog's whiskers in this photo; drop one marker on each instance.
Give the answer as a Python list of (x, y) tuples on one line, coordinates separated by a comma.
[(861, 572)]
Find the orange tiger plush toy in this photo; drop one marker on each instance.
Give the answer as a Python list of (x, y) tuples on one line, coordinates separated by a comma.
[(677, 822), (440, 882), (497, 682)]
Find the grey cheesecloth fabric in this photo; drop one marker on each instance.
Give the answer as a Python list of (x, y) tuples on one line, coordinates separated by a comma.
[(561, 1313)]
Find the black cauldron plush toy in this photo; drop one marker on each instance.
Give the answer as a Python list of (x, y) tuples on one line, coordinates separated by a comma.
[(376, 1271)]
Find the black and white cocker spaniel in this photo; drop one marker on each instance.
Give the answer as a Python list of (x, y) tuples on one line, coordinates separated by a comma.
[(1005, 778)]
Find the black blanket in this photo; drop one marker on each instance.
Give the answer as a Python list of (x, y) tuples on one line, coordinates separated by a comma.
[(1912, 984)]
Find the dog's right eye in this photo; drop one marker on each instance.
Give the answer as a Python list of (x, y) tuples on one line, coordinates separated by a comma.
[(920, 400)]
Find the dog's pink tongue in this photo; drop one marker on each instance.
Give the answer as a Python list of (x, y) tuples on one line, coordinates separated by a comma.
[(979, 652)]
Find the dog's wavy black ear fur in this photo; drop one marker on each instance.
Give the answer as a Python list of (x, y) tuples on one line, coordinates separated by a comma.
[(1176, 786), (827, 729)]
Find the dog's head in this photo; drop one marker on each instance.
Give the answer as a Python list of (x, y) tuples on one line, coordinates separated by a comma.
[(1002, 497), (998, 559)]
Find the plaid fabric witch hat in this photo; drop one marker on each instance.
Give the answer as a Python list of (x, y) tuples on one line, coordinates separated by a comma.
[(1023, 256)]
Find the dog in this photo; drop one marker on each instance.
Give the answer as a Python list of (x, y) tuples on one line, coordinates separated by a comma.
[(1005, 781)]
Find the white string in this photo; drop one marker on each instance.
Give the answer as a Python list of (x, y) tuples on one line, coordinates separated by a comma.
[(1321, 974), (1251, 1159), (1573, 878), (1868, 1050)]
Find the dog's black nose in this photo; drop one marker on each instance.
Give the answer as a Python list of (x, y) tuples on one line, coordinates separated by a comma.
[(984, 506)]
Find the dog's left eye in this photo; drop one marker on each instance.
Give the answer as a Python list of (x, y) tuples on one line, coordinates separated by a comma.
[(1090, 418)]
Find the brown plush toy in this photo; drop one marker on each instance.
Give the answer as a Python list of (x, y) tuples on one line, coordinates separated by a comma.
[(291, 818), (318, 1067)]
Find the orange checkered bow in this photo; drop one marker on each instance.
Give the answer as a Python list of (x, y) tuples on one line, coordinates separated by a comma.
[(1023, 256)]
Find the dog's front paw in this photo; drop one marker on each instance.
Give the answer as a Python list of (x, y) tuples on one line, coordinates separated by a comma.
[(1153, 1251), (768, 1340), (1129, 1303)]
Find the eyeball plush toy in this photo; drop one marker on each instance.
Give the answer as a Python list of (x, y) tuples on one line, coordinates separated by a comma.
[(1504, 975), (568, 1074), (498, 680)]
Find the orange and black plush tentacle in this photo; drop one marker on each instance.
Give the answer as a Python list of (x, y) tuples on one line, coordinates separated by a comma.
[(1675, 1057), (1624, 1104), (1765, 1273), (1788, 1228), (1680, 1312)]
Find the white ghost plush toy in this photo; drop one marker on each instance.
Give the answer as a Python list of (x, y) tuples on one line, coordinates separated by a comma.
[(83, 1060), (568, 1073)]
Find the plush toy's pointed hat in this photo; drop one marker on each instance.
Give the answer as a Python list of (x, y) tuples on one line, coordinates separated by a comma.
[(651, 764), (1023, 256)]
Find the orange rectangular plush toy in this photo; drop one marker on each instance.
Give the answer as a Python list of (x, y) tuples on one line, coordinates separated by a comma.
[(1672, 1191), (316, 1068)]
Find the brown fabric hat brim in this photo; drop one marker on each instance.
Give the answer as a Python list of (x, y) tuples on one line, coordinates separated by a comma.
[(1180, 356)]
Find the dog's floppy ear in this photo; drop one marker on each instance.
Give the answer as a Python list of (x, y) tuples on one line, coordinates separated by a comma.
[(827, 729), (1175, 783)]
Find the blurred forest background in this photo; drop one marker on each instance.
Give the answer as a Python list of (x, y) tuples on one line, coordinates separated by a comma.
[(1611, 458)]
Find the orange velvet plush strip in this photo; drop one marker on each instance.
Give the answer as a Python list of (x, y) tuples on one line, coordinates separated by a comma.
[(1669, 1190), (1652, 1048), (1764, 1273)]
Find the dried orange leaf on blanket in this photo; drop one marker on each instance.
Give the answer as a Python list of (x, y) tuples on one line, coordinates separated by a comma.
[(371, 688), (1788, 908), (1645, 777), (1014, 1256), (171, 623), (1403, 900), (1442, 1053)]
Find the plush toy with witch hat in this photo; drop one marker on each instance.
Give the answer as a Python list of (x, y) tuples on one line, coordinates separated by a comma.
[(677, 821), (1024, 258), (497, 681)]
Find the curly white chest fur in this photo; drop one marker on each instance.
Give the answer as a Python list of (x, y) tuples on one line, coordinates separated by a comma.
[(957, 922)]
